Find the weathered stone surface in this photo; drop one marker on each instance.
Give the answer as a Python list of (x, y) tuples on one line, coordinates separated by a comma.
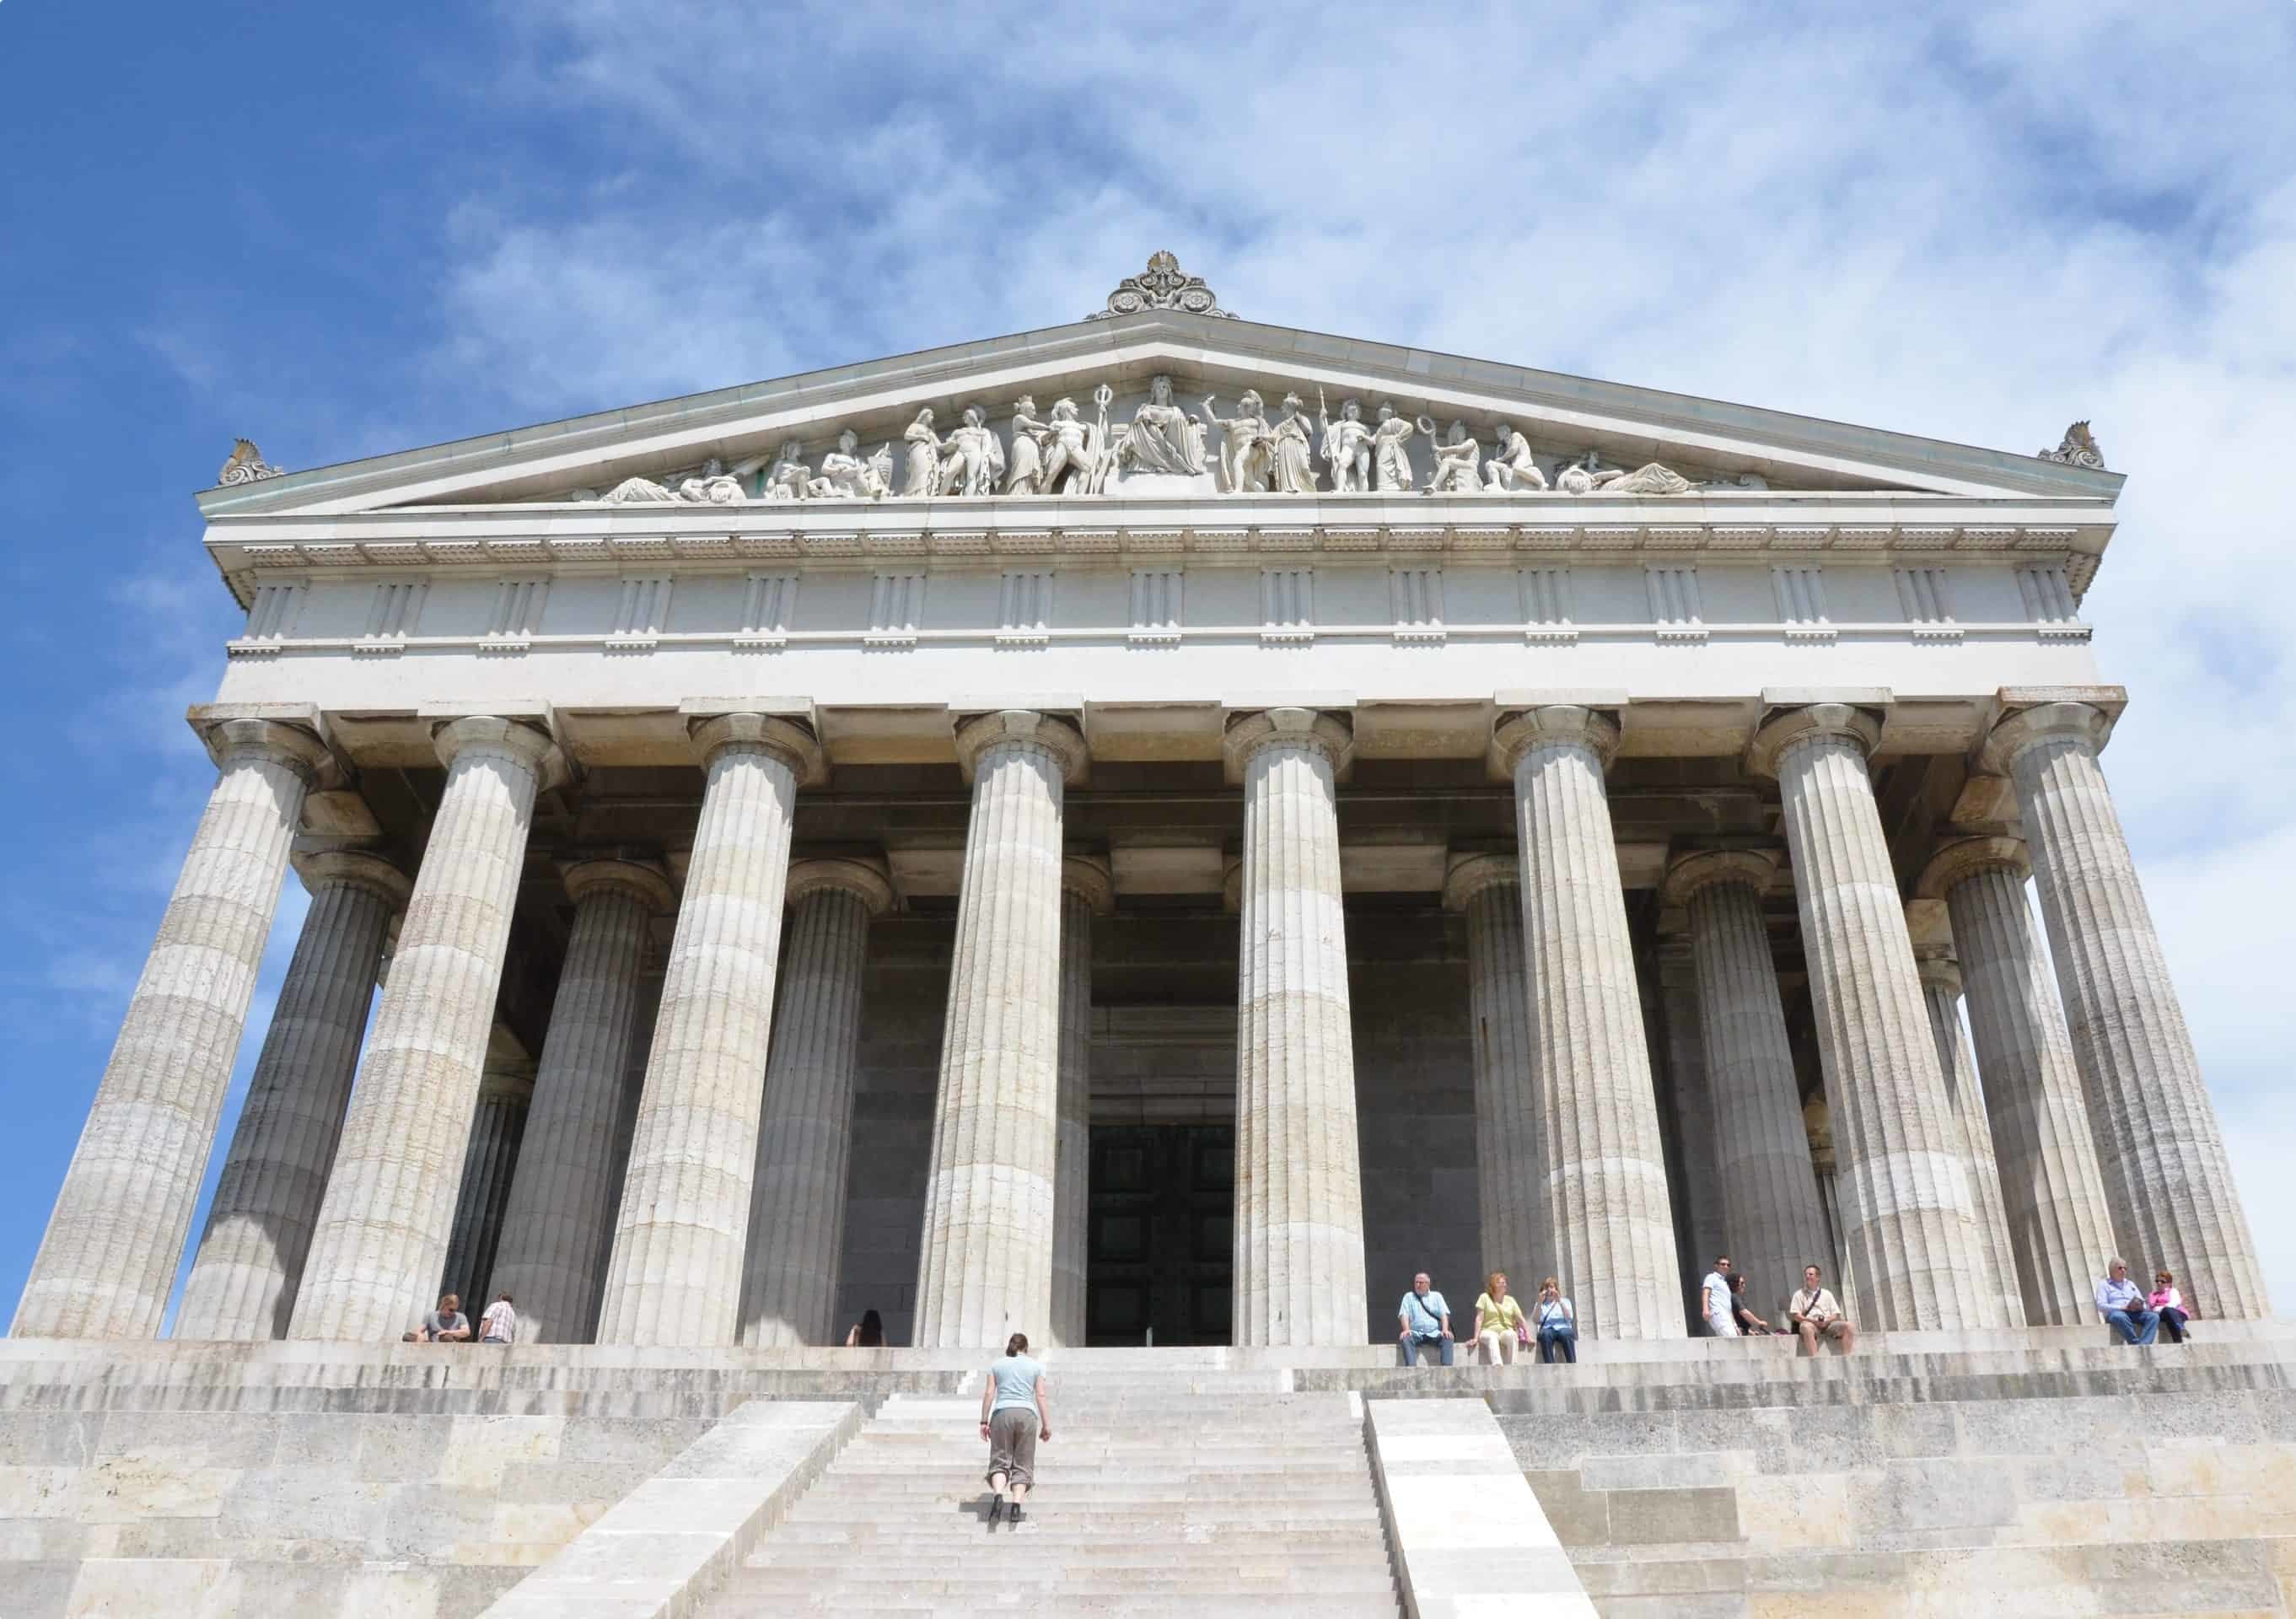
[(560, 1195), (383, 1226), (1085, 893), (107, 1263), (1299, 1275), (805, 1134), (2051, 1193), (251, 1259), (1907, 1208), (676, 1275), (2160, 1146), (986, 1269), (1605, 1166)]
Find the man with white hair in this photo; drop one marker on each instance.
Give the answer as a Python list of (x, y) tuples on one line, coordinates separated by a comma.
[(2122, 1302)]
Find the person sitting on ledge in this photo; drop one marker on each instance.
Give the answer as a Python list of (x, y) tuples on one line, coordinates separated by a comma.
[(2122, 1302), (1816, 1315), (1557, 1325), (2168, 1305), (1713, 1300), (1498, 1322), (445, 1325), (867, 1333), (1424, 1318), (1742, 1310)]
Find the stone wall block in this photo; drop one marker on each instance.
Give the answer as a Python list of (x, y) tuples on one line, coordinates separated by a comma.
[(384, 1224), (243, 1282), (107, 1263), (1299, 1242), (805, 1134), (1606, 1165), (2160, 1146), (676, 1275)]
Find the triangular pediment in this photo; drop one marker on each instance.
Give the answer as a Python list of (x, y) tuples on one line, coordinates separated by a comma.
[(742, 445)]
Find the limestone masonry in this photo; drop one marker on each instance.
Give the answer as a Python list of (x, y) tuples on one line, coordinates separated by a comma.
[(1156, 870)]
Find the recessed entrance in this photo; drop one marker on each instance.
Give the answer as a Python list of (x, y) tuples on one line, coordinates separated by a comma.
[(1163, 1208)]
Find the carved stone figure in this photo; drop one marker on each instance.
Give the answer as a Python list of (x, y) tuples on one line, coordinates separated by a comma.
[(788, 477), (1510, 469), (972, 457), (1294, 460), (1076, 452), (1247, 455), (1588, 476), (638, 491), (1457, 460), (246, 466), (924, 455), (1391, 445), (1164, 437), (2076, 448), (845, 476), (1162, 285), (1743, 480), (1347, 445), (1027, 476)]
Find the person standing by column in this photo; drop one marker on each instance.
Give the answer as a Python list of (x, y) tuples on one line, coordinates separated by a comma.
[(1016, 1414), (1714, 1301)]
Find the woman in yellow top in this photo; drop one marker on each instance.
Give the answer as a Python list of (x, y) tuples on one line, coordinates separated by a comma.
[(1498, 1322)]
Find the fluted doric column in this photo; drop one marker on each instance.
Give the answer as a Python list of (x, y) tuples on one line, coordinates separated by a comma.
[(384, 1226), (2158, 1143), (250, 1258), (1907, 1211), (985, 1269), (108, 1260), (562, 1194), (489, 1161), (1694, 1175), (1771, 1207), (805, 1134), (1299, 1190), (1511, 1183), (2052, 1194), (676, 1276), (1941, 974), (1087, 892), (1605, 1163)]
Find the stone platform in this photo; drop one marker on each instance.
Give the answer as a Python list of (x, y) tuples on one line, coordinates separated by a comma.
[(2040, 1472)]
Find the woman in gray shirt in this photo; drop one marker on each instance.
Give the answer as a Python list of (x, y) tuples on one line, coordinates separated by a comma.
[(1014, 1415)]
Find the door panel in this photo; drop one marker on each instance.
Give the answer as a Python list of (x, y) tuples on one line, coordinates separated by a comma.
[(1162, 1216)]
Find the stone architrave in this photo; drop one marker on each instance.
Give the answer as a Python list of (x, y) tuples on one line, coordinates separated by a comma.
[(490, 1161), (676, 1275), (1908, 1215), (385, 1222), (2158, 1143), (1605, 1162), (1772, 1213), (250, 1258), (1087, 891), (107, 1263), (1487, 889), (1940, 975), (985, 1269), (2052, 1195), (1299, 1190), (804, 1132), (561, 1197)]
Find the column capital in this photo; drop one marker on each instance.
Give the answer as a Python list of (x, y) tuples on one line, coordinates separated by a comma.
[(1325, 731), (642, 883), (1812, 722), (1964, 857), (864, 880), (356, 868), (1472, 873), (529, 743), (1686, 873), (2014, 734), (1086, 876), (1519, 730), (229, 736), (789, 741), (976, 734)]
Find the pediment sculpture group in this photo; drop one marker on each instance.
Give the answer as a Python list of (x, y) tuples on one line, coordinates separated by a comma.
[(1063, 453)]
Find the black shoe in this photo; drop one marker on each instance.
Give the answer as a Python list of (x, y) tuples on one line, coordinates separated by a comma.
[(996, 1508), (1016, 1512)]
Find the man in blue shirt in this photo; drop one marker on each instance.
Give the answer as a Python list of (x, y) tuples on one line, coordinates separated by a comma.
[(1424, 1318), (2122, 1302)]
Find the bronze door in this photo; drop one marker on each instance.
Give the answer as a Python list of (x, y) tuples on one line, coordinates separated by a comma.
[(1163, 1207)]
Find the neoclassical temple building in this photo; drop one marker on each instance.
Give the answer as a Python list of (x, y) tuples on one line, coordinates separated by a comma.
[(1156, 827)]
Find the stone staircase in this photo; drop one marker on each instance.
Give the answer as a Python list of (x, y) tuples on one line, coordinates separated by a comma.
[(1157, 1494)]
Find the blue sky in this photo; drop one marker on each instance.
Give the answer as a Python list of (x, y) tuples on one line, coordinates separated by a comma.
[(345, 230)]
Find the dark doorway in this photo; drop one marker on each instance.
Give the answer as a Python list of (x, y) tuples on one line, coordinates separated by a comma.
[(1163, 1205)]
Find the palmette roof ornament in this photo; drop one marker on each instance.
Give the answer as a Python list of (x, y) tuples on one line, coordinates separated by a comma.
[(247, 465), (2078, 448), (1162, 285)]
